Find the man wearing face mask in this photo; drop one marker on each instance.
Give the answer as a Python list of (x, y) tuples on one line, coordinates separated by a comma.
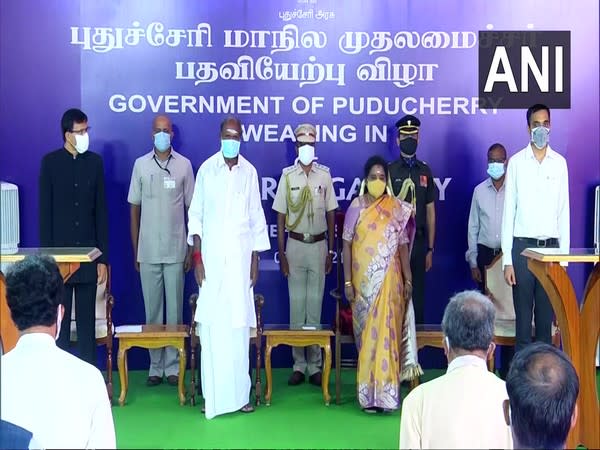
[(411, 180), (536, 214), (60, 399), (485, 223), (228, 229), (305, 203), (485, 217), (160, 192), (73, 214)]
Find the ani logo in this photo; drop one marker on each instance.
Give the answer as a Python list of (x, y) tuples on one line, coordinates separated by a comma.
[(520, 68)]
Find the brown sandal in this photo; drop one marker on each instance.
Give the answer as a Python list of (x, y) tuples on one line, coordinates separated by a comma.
[(248, 408)]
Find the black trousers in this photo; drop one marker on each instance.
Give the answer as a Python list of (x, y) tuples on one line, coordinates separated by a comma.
[(417, 267), (485, 256), (529, 296), (85, 320)]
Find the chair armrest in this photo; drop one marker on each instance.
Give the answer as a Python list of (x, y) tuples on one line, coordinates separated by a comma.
[(339, 298), (259, 302), (192, 302), (335, 293), (110, 302)]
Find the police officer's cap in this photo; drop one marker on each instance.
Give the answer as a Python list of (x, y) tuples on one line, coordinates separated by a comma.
[(305, 133), (408, 125)]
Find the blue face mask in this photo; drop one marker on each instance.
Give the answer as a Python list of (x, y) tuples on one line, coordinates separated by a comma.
[(162, 141), (495, 170), (540, 136), (230, 148)]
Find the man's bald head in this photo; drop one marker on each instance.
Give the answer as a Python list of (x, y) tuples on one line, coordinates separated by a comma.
[(162, 123), (542, 388), (231, 128)]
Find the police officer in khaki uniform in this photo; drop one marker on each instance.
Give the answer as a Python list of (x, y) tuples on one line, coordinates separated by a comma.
[(411, 180), (305, 202)]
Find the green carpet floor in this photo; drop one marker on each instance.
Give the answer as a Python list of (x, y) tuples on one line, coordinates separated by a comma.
[(297, 418)]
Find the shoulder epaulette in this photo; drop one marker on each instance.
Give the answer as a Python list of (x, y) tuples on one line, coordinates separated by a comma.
[(316, 165), (288, 169)]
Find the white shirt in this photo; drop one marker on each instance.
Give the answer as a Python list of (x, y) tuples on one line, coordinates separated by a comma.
[(227, 214), (536, 201), (485, 219), (461, 409), (61, 399)]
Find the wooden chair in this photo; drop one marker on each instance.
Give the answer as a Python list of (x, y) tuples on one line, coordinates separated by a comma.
[(501, 295), (427, 336), (342, 336), (255, 339), (104, 328)]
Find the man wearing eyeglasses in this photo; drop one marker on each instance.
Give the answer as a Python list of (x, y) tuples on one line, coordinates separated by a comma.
[(73, 214), (160, 192)]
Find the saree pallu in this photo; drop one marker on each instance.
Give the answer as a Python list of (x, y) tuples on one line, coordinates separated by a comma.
[(379, 307)]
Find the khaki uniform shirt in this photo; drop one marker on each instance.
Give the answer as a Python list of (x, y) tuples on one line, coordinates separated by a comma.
[(323, 197), (164, 190)]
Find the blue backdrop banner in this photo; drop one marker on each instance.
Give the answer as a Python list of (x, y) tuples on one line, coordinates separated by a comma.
[(351, 68)]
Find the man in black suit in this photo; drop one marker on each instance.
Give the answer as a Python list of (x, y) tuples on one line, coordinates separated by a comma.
[(73, 214)]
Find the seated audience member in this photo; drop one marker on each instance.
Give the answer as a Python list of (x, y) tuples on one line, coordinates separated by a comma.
[(460, 408), (542, 388), (56, 396)]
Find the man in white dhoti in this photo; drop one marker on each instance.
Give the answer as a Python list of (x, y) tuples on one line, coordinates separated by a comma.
[(227, 228)]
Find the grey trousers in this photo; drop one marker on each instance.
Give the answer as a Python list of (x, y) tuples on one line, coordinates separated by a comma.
[(158, 280), (306, 283)]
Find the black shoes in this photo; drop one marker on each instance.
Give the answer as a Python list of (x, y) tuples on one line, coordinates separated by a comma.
[(296, 378), (154, 381), (173, 380), (316, 379)]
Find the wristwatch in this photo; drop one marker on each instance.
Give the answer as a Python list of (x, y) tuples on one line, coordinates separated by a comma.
[(430, 249)]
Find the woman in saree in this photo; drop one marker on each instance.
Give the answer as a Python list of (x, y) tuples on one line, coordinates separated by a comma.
[(377, 237)]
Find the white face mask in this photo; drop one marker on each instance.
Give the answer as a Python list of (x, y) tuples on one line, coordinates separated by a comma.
[(306, 154), (58, 323), (82, 143)]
